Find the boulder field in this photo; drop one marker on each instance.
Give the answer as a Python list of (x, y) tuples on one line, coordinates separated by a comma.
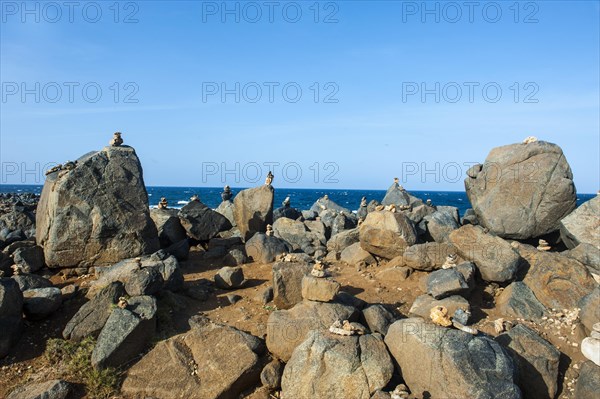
[(401, 298)]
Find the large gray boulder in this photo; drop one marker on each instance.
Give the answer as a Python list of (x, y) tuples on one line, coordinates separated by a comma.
[(211, 361), (426, 257), (446, 363), (39, 303), (225, 208), (29, 259), (170, 230), (387, 234), (330, 366), (354, 254), (201, 222), (265, 249), (96, 213), (441, 223), (494, 257), (325, 203), (126, 332), (557, 281), (517, 300), (11, 314), (253, 210), (297, 235), (286, 329), (91, 317), (287, 283), (522, 190), (29, 281), (536, 361), (582, 226), (342, 240)]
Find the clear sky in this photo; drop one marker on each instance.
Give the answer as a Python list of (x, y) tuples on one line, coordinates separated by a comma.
[(345, 94)]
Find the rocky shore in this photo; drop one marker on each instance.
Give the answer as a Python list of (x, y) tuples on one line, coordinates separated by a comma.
[(103, 297)]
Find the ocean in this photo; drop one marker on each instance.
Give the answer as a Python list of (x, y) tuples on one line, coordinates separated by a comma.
[(300, 198)]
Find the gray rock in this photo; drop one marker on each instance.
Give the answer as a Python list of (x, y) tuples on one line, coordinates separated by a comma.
[(343, 222), (582, 225), (126, 269), (396, 195), (11, 319), (354, 254), (557, 281), (202, 223), (126, 333), (441, 223), (522, 190), (329, 366), (180, 368), (590, 309), (342, 240), (423, 304), (309, 215), (318, 228), (265, 249), (286, 212), (297, 235), (91, 317), (378, 318), (327, 204), (225, 208), (144, 281), (587, 254), (29, 259), (235, 257), (536, 361), (319, 289), (230, 278), (253, 210), (286, 329), (517, 300), (448, 363), (170, 230), (29, 281), (287, 283), (469, 217), (171, 273), (39, 303), (495, 258), (180, 250), (96, 213), (446, 282), (588, 383), (53, 389), (234, 298), (387, 234), (266, 296), (426, 257), (270, 375)]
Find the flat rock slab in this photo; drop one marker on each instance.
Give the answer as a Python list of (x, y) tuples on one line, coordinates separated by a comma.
[(211, 361)]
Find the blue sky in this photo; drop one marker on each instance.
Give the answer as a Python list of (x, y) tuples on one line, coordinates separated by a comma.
[(360, 119)]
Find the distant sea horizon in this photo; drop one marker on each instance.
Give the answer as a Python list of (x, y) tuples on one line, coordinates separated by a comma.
[(301, 198)]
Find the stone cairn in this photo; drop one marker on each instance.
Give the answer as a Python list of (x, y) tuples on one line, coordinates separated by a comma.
[(269, 231), (543, 245), (163, 204), (286, 202), (450, 261), (194, 198), (269, 178), (347, 328), (116, 140), (226, 194), (530, 139)]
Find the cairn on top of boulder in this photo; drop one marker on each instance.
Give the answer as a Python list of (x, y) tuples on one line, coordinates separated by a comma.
[(522, 191), (195, 198), (96, 213), (269, 178), (117, 140), (530, 139), (226, 194), (163, 204)]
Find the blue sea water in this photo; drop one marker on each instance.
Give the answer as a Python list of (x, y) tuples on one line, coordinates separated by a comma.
[(300, 198)]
